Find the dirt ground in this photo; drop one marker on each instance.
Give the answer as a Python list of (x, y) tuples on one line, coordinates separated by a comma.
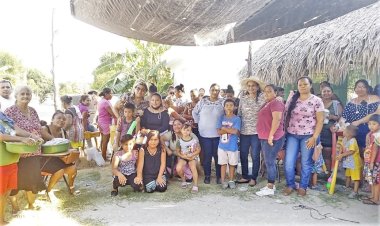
[(212, 205)]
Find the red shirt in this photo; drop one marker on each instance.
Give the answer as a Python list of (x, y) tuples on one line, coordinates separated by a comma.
[(264, 122)]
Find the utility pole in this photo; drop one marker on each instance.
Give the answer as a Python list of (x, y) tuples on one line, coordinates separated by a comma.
[(249, 60), (52, 61)]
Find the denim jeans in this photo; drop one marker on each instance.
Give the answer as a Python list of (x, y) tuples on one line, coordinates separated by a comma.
[(210, 148), (294, 144), (247, 141), (270, 156)]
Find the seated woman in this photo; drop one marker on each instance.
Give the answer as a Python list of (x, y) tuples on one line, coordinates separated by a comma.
[(55, 165), (151, 164)]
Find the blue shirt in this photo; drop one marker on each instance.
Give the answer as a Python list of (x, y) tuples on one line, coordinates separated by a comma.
[(206, 113), (6, 125), (229, 142)]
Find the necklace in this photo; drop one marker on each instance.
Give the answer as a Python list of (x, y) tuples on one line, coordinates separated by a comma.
[(152, 153)]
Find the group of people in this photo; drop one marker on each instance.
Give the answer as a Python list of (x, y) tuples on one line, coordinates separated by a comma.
[(157, 136)]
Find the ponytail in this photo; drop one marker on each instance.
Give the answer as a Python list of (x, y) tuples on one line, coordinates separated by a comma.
[(291, 107)]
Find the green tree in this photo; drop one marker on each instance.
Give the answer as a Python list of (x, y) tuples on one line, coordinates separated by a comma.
[(68, 88), (10, 68), (40, 84), (120, 71)]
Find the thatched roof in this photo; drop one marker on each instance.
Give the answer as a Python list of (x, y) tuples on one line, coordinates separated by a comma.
[(335, 47), (208, 22)]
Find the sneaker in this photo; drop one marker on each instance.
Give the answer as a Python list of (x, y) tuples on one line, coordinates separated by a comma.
[(232, 184), (264, 188), (189, 181), (114, 193), (265, 191), (353, 195), (184, 185), (207, 180), (194, 189), (224, 185)]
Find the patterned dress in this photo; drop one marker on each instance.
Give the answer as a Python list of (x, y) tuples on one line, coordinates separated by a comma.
[(353, 112), (248, 111), (29, 172)]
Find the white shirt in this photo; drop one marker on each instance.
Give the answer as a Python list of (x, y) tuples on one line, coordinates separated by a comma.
[(6, 103)]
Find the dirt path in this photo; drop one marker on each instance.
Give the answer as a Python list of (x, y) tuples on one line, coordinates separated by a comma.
[(212, 205)]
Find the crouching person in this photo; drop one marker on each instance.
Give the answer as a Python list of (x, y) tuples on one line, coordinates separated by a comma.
[(124, 165), (151, 164)]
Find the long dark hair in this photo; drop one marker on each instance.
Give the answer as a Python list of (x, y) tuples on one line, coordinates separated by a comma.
[(105, 91), (293, 101), (149, 136), (365, 83), (174, 137)]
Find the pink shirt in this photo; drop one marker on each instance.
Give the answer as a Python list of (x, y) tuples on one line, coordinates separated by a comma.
[(264, 120), (104, 117), (303, 118)]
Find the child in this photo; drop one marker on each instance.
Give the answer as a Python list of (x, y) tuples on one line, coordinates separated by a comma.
[(187, 150), (228, 129), (372, 160), (351, 159), (151, 164), (318, 167), (124, 123), (124, 165)]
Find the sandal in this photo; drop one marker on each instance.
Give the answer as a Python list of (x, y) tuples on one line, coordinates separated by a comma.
[(370, 202), (242, 181), (252, 183), (184, 185), (194, 189)]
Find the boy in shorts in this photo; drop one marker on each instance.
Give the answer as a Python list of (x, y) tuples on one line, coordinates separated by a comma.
[(228, 129)]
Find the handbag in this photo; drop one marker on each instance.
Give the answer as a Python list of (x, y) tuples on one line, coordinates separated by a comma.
[(71, 157)]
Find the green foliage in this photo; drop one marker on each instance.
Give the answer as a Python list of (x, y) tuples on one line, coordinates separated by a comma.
[(120, 71), (10, 67), (68, 88), (40, 84)]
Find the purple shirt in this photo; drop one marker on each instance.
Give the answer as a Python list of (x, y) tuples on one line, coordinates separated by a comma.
[(264, 120)]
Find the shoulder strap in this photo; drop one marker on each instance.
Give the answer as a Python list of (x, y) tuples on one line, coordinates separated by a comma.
[(335, 106), (48, 129)]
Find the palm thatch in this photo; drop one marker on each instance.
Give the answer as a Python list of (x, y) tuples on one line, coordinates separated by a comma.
[(333, 48)]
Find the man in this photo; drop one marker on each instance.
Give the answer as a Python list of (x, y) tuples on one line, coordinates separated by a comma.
[(6, 99)]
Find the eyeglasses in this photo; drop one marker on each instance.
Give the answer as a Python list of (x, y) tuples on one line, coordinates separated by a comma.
[(171, 93)]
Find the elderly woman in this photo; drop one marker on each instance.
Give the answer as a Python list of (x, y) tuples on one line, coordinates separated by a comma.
[(155, 117), (8, 171), (207, 113), (334, 108), (29, 173), (249, 106), (105, 119), (270, 128), (304, 122), (54, 165), (136, 98), (360, 109), (151, 164)]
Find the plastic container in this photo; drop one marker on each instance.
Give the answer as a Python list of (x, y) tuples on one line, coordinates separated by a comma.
[(52, 149), (21, 148), (7, 158)]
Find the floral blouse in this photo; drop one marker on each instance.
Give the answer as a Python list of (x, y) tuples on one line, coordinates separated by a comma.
[(248, 111)]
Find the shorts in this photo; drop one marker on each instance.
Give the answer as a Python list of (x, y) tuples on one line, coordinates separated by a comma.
[(8, 175), (228, 157)]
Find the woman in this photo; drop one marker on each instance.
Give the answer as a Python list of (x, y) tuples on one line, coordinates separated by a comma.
[(249, 106), (105, 119), (171, 140), (55, 165), (137, 98), (155, 117), (151, 164), (188, 111), (73, 126), (304, 122), (360, 109), (206, 113), (270, 129), (83, 106), (201, 93), (29, 173), (334, 109), (8, 171), (180, 100)]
